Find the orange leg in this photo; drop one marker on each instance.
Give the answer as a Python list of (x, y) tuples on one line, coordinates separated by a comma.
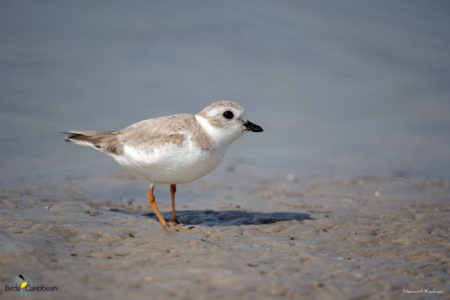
[(151, 199), (173, 219)]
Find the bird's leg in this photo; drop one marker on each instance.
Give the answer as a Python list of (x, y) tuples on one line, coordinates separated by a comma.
[(173, 219), (151, 199)]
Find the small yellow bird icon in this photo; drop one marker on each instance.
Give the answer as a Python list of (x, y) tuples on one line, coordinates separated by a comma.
[(24, 283)]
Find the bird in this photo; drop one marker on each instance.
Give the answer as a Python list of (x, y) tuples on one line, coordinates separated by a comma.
[(172, 149)]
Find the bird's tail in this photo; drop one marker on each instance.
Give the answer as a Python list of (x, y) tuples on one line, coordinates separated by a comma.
[(103, 141)]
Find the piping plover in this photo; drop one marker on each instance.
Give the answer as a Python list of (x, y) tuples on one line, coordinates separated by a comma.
[(172, 149)]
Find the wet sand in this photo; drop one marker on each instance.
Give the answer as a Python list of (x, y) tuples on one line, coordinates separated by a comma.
[(244, 236)]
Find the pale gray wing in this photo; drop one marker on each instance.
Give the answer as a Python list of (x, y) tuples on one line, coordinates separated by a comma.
[(169, 129)]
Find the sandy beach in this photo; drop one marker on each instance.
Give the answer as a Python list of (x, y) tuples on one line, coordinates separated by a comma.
[(265, 238)]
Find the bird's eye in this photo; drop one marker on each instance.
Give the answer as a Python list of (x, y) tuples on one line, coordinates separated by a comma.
[(228, 115)]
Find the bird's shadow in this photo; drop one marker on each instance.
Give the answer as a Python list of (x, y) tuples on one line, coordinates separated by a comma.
[(225, 217)]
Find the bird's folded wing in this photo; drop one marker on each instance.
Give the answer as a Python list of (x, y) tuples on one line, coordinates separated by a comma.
[(152, 132)]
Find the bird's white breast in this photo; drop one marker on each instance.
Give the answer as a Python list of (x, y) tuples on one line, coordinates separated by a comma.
[(170, 163)]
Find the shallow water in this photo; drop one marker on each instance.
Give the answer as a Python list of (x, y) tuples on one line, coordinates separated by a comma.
[(354, 87)]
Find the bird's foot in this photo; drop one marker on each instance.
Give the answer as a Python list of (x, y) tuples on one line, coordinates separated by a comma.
[(173, 222)]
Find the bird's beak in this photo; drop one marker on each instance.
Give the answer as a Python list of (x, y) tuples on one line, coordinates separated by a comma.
[(252, 127)]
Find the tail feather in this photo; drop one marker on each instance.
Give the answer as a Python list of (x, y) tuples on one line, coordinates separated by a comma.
[(104, 141), (73, 137)]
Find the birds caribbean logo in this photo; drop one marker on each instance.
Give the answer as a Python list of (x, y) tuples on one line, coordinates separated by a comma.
[(23, 281)]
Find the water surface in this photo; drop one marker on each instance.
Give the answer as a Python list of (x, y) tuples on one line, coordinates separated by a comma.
[(348, 87)]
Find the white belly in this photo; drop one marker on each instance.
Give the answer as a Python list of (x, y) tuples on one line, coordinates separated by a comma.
[(170, 163)]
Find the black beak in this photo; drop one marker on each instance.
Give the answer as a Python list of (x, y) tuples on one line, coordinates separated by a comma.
[(252, 127)]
